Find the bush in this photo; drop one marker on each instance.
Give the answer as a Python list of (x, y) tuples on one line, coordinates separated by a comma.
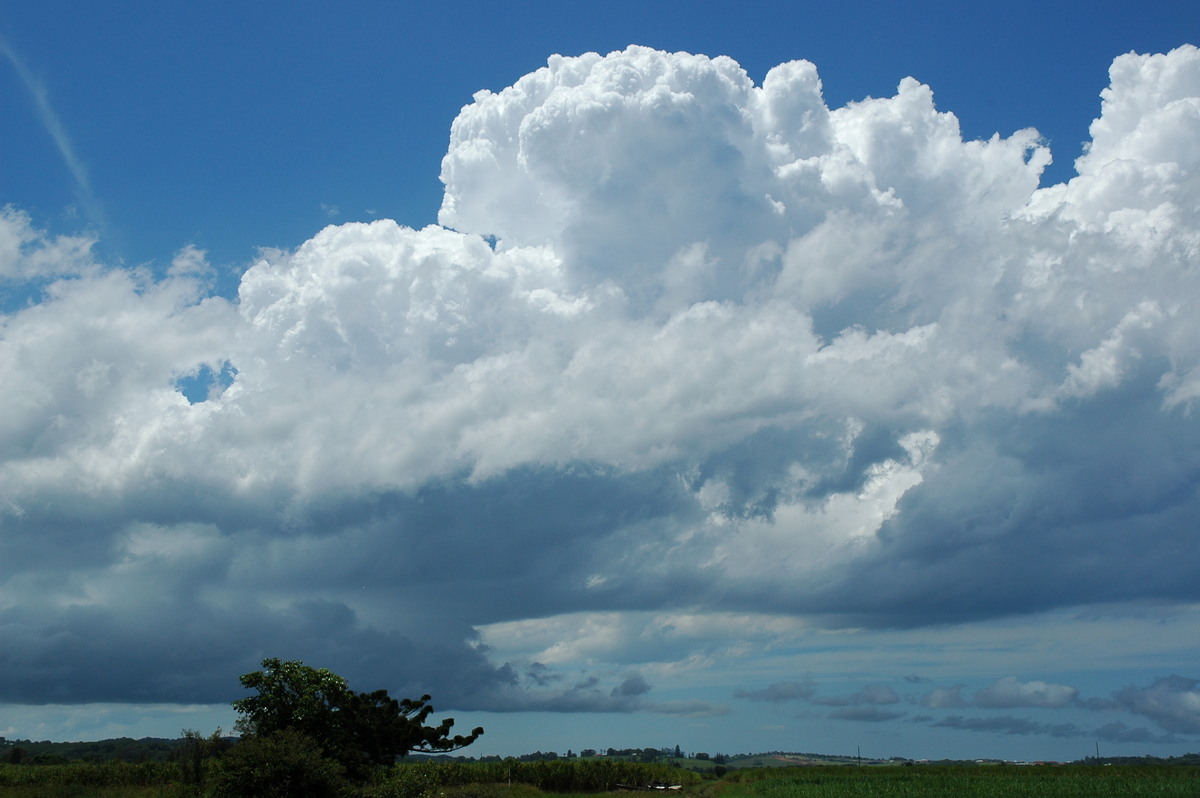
[(195, 755), (284, 764)]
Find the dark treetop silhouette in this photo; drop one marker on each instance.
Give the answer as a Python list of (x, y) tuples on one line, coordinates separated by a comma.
[(357, 729)]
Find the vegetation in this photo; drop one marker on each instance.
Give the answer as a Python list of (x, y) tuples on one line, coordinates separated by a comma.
[(1041, 781), (122, 749), (280, 764), (555, 776), (288, 763), (99, 779), (359, 731)]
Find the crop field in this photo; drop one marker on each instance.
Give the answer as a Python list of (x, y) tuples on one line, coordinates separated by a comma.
[(511, 779), (951, 782)]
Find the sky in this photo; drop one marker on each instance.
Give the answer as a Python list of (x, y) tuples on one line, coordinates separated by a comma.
[(769, 377)]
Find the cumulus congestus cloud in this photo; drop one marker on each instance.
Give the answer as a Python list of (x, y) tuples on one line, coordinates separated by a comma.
[(681, 342)]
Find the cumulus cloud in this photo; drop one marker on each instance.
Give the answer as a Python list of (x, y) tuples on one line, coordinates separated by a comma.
[(1172, 702), (28, 254), (683, 345), (943, 698), (1009, 692)]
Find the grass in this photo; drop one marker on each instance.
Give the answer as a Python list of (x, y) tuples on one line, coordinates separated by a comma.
[(951, 782), (78, 791), (822, 781)]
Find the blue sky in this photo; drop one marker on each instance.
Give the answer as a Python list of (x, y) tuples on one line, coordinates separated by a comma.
[(738, 379), (236, 128)]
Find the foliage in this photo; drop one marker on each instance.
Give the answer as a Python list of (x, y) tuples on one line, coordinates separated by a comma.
[(89, 775), (287, 764), (1043, 781), (359, 730), (124, 749), (195, 754), (413, 780), (281, 764), (291, 695)]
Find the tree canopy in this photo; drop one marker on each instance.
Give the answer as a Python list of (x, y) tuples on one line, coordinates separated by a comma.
[(356, 729)]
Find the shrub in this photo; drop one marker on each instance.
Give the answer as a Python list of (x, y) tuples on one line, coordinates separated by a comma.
[(283, 764)]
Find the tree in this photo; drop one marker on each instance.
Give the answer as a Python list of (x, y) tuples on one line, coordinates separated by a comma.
[(356, 729), (291, 695), (194, 754)]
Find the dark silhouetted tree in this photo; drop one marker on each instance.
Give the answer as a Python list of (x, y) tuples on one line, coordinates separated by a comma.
[(356, 729)]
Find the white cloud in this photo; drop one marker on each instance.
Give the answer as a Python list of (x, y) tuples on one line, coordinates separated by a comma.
[(1009, 692), (28, 254), (732, 354)]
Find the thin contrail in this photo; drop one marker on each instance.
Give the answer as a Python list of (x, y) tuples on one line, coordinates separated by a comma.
[(54, 126)]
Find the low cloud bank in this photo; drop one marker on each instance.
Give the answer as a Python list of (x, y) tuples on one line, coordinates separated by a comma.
[(1172, 703)]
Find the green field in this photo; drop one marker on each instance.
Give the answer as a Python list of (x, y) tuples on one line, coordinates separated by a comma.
[(997, 781), (512, 779)]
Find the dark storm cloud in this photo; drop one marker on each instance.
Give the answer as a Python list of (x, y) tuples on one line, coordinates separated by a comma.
[(1055, 513), (152, 636), (194, 654)]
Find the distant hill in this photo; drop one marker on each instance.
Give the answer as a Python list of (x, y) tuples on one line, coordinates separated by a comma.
[(124, 749)]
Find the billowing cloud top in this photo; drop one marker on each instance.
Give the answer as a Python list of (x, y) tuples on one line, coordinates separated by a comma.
[(681, 342)]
